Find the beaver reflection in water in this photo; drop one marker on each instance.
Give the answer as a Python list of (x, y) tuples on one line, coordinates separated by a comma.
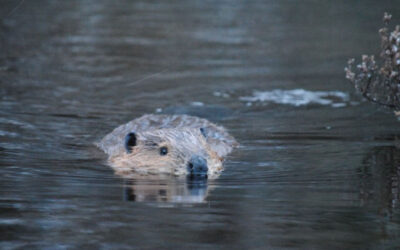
[(168, 144)]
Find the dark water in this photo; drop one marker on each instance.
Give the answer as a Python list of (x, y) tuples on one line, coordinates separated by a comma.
[(315, 170)]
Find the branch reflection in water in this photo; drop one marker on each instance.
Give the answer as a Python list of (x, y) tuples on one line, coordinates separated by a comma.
[(379, 179)]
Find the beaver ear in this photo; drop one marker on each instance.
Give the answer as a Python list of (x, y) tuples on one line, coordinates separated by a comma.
[(203, 132), (130, 141)]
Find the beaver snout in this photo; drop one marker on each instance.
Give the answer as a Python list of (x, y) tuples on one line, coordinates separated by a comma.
[(197, 166)]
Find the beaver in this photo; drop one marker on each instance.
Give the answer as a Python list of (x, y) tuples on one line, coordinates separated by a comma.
[(168, 144)]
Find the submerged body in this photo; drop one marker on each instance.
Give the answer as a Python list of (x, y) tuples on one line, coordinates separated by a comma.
[(168, 144)]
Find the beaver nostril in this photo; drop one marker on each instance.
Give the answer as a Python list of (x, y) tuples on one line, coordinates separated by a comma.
[(197, 166)]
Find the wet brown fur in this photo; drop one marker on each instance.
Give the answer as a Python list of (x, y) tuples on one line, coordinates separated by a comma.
[(180, 134)]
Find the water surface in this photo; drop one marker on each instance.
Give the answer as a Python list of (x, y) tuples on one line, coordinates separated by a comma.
[(317, 166)]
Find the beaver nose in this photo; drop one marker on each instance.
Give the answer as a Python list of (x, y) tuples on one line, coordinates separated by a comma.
[(197, 166)]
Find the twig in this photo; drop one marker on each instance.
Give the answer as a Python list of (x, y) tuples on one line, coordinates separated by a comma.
[(147, 77), (15, 8)]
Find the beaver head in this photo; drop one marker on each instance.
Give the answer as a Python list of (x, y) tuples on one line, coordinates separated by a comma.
[(170, 150)]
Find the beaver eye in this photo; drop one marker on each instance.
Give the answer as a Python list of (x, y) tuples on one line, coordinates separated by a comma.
[(130, 142), (163, 150)]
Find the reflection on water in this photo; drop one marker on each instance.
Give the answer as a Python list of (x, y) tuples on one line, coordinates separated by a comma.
[(299, 97), (380, 179), (309, 176), (164, 189)]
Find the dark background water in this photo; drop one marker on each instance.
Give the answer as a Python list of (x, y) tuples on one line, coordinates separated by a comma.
[(318, 175)]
